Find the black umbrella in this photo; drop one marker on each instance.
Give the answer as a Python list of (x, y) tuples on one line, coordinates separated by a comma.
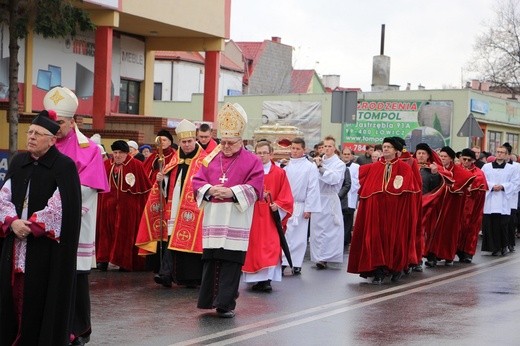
[(279, 228)]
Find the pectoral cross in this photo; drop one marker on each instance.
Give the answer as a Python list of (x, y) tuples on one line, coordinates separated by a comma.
[(223, 178)]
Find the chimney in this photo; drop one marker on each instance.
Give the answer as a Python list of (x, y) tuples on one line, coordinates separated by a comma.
[(276, 39)]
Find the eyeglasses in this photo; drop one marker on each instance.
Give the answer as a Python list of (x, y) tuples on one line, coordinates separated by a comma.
[(229, 143), (500, 152), (465, 159), (37, 134)]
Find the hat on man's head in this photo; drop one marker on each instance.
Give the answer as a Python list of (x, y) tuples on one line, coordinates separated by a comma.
[(186, 129), (402, 142), (425, 147), (395, 143), (145, 146), (46, 119), (232, 120), (120, 145), (62, 100), (165, 133), (133, 144), (468, 152), (449, 151)]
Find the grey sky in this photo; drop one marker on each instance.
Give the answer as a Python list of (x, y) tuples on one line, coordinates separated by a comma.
[(430, 42)]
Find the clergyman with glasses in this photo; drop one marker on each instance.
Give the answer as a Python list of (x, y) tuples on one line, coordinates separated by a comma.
[(226, 187), (40, 215)]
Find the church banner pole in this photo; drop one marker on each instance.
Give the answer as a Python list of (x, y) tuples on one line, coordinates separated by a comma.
[(161, 196)]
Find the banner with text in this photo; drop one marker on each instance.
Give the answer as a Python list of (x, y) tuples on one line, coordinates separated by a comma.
[(414, 121)]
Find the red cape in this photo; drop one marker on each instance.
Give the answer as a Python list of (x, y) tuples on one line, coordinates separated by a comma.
[(473, 212), (445, 234), (149, 163), (119, 214), (386, 220), (264, 249)]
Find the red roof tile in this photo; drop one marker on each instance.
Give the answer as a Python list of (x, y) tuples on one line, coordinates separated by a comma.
[(301, 80), (250, 49)]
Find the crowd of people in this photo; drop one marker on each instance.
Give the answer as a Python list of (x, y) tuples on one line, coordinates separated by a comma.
[(209, 213)]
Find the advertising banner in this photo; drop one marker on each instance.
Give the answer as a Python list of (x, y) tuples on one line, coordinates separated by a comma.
[(415, 121)]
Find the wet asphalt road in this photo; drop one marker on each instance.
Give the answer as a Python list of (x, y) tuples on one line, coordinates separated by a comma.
[(467, 304)]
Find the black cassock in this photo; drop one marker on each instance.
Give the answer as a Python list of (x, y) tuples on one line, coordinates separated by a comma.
[(50, 266)]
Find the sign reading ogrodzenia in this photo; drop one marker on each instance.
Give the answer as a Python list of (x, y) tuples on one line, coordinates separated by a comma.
[(415, 121)]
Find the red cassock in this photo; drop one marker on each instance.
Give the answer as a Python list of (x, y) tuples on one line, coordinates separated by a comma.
[(473, 212), (442, 242), (264, 248), (418, 237), (119, 214), (387, 218)]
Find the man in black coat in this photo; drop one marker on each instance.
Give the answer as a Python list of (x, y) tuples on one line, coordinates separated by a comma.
[(40, 213)]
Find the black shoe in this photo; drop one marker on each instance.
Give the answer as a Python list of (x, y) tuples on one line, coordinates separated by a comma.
[(162, 280), (396, 276), (448, 263), (225, 313), (511, 248), (103, 266), (81, 340), (262, 286), (321, 265), (504, 251), (430, 264), (495, 253), (418, 268), (407, 271), (283, 270), (378, 280), (297, 271)]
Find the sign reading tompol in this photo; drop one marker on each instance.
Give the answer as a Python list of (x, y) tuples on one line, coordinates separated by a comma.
[(415, 121)]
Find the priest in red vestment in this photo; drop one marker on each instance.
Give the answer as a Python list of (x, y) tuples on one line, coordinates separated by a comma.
[(151, 164), (263, 258), (119, 211), (181, 260), (442, 243), (387, 217), (473, 208)]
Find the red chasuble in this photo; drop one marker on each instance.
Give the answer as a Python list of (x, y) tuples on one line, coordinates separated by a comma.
[(264, 249), (386, 219), (119, 214), (473, 212), (187, 230), (444, 237)]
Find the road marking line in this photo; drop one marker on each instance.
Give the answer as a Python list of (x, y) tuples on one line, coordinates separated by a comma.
[(338, 306)]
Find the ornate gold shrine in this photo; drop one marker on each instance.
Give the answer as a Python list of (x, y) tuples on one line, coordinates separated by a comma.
[(280, 136)]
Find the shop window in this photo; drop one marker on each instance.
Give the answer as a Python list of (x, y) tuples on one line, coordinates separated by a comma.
[(129, 97)]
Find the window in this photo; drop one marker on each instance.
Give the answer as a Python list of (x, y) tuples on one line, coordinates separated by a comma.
[(495, 140), (129, 97), (157, 91), (512, 138)]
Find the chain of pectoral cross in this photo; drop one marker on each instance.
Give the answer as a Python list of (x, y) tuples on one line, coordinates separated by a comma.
[(224, 178)]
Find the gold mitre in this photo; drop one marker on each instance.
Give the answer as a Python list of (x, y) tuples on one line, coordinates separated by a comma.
[(232, 120), (61, 100), (186, 129)]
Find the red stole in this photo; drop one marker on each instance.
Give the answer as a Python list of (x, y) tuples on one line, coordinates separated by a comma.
[(187, 230)]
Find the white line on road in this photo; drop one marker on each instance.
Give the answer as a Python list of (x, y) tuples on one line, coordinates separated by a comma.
[(324, 311)]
